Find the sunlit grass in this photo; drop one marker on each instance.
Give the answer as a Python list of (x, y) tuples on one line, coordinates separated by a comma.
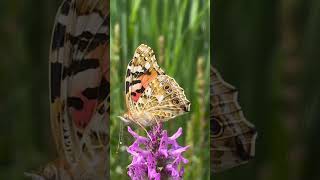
[(178, 32)]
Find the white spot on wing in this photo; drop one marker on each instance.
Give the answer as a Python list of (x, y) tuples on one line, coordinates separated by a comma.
[(84, 23), (136, 86), (160, 98), (148, 92), (63, 19), (140, 100), (161, 78), (137, 69), (147, 66)]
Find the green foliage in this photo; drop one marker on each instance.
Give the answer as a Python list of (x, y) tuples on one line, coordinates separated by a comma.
[(269, 50), (179, 33), (25, 135)]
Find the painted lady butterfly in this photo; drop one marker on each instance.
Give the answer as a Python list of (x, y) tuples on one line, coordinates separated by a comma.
[(151, 95), (232, 136), (79, 85)]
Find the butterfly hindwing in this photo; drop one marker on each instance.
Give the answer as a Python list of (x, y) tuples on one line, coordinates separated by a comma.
[(164, 98), (232, 136)]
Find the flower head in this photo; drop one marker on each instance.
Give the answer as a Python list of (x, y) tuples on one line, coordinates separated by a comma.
[(156, 156)]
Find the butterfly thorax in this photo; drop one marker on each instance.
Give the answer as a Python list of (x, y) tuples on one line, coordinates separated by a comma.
[(140, 117)]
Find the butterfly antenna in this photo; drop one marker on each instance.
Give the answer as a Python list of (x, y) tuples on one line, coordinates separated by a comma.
[(120, 139)]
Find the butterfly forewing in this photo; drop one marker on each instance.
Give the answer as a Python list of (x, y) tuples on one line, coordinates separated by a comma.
[(232, 136)]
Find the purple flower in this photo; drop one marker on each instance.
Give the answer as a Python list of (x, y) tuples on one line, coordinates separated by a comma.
[(156, 156)]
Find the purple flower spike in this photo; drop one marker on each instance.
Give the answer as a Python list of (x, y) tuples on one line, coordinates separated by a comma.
[(157, 156)]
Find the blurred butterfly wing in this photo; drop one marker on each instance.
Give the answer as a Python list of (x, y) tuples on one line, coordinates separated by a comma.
[(94, 87), (79, 91), (60, 51), (232, 136), (79, 77)]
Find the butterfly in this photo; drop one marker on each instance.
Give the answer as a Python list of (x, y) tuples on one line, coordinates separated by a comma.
[(151, 95), (79, 91), (232, 136)]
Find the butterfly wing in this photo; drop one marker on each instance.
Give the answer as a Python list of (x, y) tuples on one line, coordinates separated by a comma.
[(79, 79), (164, 99), (146, 97), (232, 136)]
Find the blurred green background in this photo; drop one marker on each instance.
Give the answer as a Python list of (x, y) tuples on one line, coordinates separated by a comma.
[(179, 33), (269, 49), (25, 135)]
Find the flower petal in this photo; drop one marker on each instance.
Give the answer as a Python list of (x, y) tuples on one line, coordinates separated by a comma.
[(176, 135), (156, 155)]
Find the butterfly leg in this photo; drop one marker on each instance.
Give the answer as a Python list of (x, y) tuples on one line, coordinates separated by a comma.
[(158, 122), (139, 124)]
